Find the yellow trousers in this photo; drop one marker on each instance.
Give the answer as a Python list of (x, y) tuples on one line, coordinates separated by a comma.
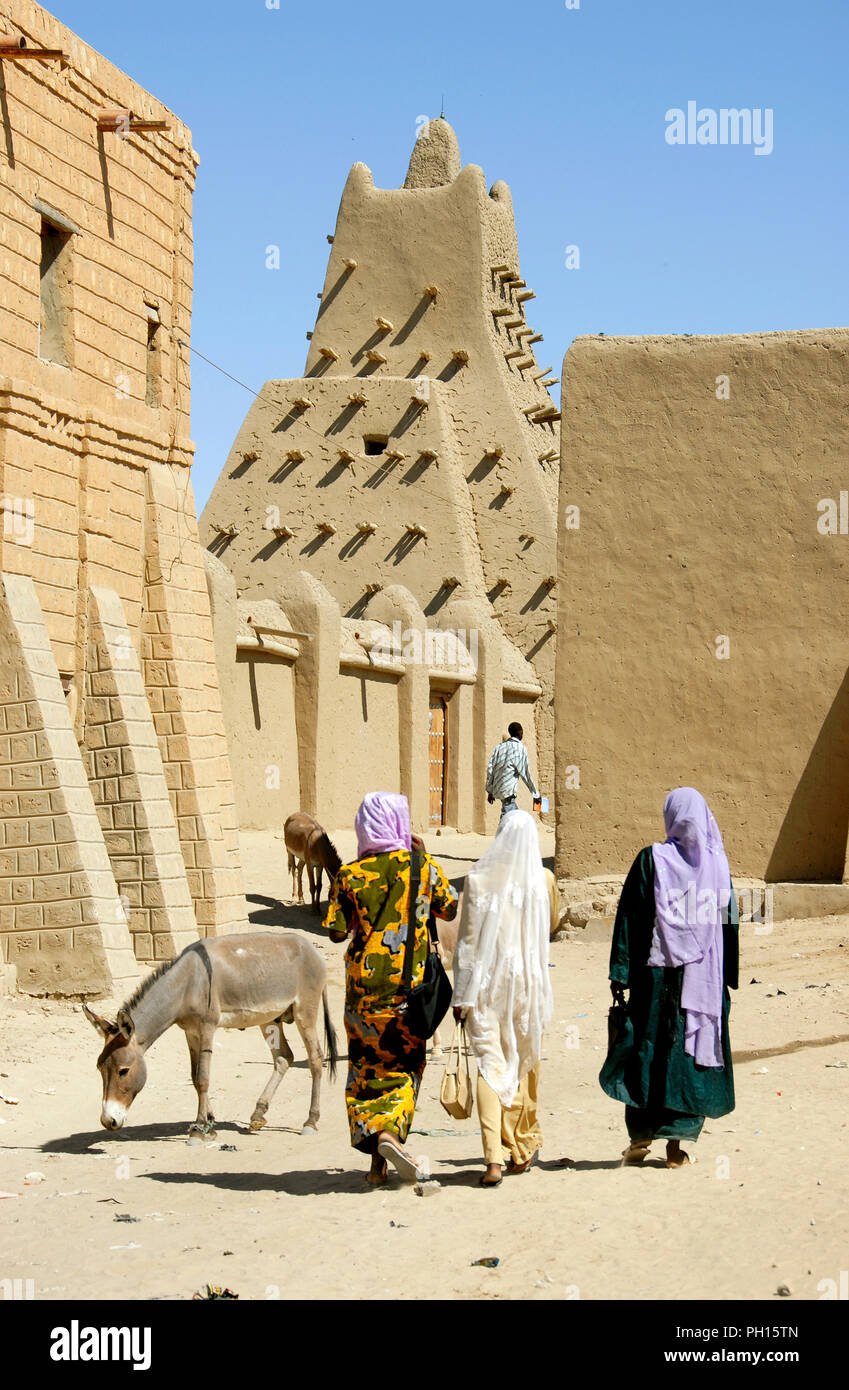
[(514, 1132)]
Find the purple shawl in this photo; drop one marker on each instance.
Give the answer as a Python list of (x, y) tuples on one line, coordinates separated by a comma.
[(692, 887), (382, 823)]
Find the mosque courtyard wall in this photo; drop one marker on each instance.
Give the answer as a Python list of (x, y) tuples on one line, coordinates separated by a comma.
[(321, 708), (702, 615)]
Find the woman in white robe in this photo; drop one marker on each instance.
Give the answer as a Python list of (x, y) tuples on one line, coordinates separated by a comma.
[(502, 989)]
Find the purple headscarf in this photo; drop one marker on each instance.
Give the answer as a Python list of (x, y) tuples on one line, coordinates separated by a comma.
[(692, 888), (382, 823)]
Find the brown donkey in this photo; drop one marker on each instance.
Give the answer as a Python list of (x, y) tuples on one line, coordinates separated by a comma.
[(308, 843), (262, 979)]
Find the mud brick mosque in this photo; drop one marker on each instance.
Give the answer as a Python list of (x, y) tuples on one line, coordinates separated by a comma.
[(406, 484), (378, 584)]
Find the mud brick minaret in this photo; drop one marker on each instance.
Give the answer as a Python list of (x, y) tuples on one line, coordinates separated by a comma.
[(421, 445)]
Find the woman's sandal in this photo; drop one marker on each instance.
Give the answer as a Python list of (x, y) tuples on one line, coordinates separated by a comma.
[(405, 1166), (636, 1154), (483, 1182)]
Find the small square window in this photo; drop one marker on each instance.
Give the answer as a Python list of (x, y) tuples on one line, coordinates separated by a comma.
[(375, 444)]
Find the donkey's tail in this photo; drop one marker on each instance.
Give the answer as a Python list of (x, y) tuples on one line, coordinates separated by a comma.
[(329, 1037)]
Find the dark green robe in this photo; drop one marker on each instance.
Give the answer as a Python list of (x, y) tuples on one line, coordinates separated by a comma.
[(666, 1093)]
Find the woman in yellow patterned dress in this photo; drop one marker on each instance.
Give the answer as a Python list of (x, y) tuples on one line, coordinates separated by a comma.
[(369, 901)]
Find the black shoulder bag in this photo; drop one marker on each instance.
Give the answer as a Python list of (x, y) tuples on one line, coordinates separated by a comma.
[(425, 1006)]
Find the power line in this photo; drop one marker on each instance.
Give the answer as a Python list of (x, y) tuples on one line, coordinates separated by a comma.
[(521, 530), (182, 343)]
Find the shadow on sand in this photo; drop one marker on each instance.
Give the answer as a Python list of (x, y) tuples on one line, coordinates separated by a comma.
[(291, 916), (86, 1141), (310, 1182), (587, 1165), (313, 1182)]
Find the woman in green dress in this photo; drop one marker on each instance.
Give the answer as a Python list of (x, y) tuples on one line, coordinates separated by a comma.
[(369, 901), (675, 949)]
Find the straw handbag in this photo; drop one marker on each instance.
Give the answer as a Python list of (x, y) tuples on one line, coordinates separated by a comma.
[(455, 1095)]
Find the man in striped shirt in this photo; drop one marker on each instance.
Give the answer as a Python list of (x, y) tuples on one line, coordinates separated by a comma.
[(508, 763)]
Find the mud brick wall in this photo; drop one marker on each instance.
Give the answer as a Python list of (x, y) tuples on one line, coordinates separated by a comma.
[(703, 637), (62, 924), (127, 780), (95, 450)]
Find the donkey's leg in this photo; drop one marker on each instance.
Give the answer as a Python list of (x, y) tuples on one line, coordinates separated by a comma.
[(300, 880), (311, 875), (194, 1058), (292, 871), (200, 1050), (282, 1056), (307, 1021)]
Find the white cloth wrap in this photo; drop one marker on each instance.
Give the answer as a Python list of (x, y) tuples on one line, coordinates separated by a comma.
[(501, 962)]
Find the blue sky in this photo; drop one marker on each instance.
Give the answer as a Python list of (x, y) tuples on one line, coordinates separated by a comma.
[(567, 105)]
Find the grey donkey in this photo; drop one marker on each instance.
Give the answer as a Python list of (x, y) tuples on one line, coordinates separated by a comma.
[(259, 979)]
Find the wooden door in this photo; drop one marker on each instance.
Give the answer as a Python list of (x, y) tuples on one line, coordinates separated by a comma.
[(438, 756)]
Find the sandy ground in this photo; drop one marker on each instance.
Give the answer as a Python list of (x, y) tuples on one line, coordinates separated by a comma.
[(145, 1214)]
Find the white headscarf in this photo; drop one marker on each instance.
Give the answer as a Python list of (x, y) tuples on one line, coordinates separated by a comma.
[(501, 960)]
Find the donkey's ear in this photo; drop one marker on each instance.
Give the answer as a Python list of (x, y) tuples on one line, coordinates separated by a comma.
[(125, 1024), (101, 1024)]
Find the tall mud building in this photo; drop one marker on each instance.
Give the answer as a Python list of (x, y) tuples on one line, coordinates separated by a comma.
[(385, 523), (118, 840)]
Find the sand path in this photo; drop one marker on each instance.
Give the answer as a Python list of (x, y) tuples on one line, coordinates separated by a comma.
[(766, 1204)]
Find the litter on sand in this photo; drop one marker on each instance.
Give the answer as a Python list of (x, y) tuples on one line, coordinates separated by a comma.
[(30, 1179), (214, 1291), (428, 1188), (9, 1100), (132, 1246), (488, 1262), (122, 1216), (9, 1194)]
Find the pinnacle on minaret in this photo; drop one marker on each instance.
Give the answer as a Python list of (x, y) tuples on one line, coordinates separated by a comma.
[(436, 156)]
